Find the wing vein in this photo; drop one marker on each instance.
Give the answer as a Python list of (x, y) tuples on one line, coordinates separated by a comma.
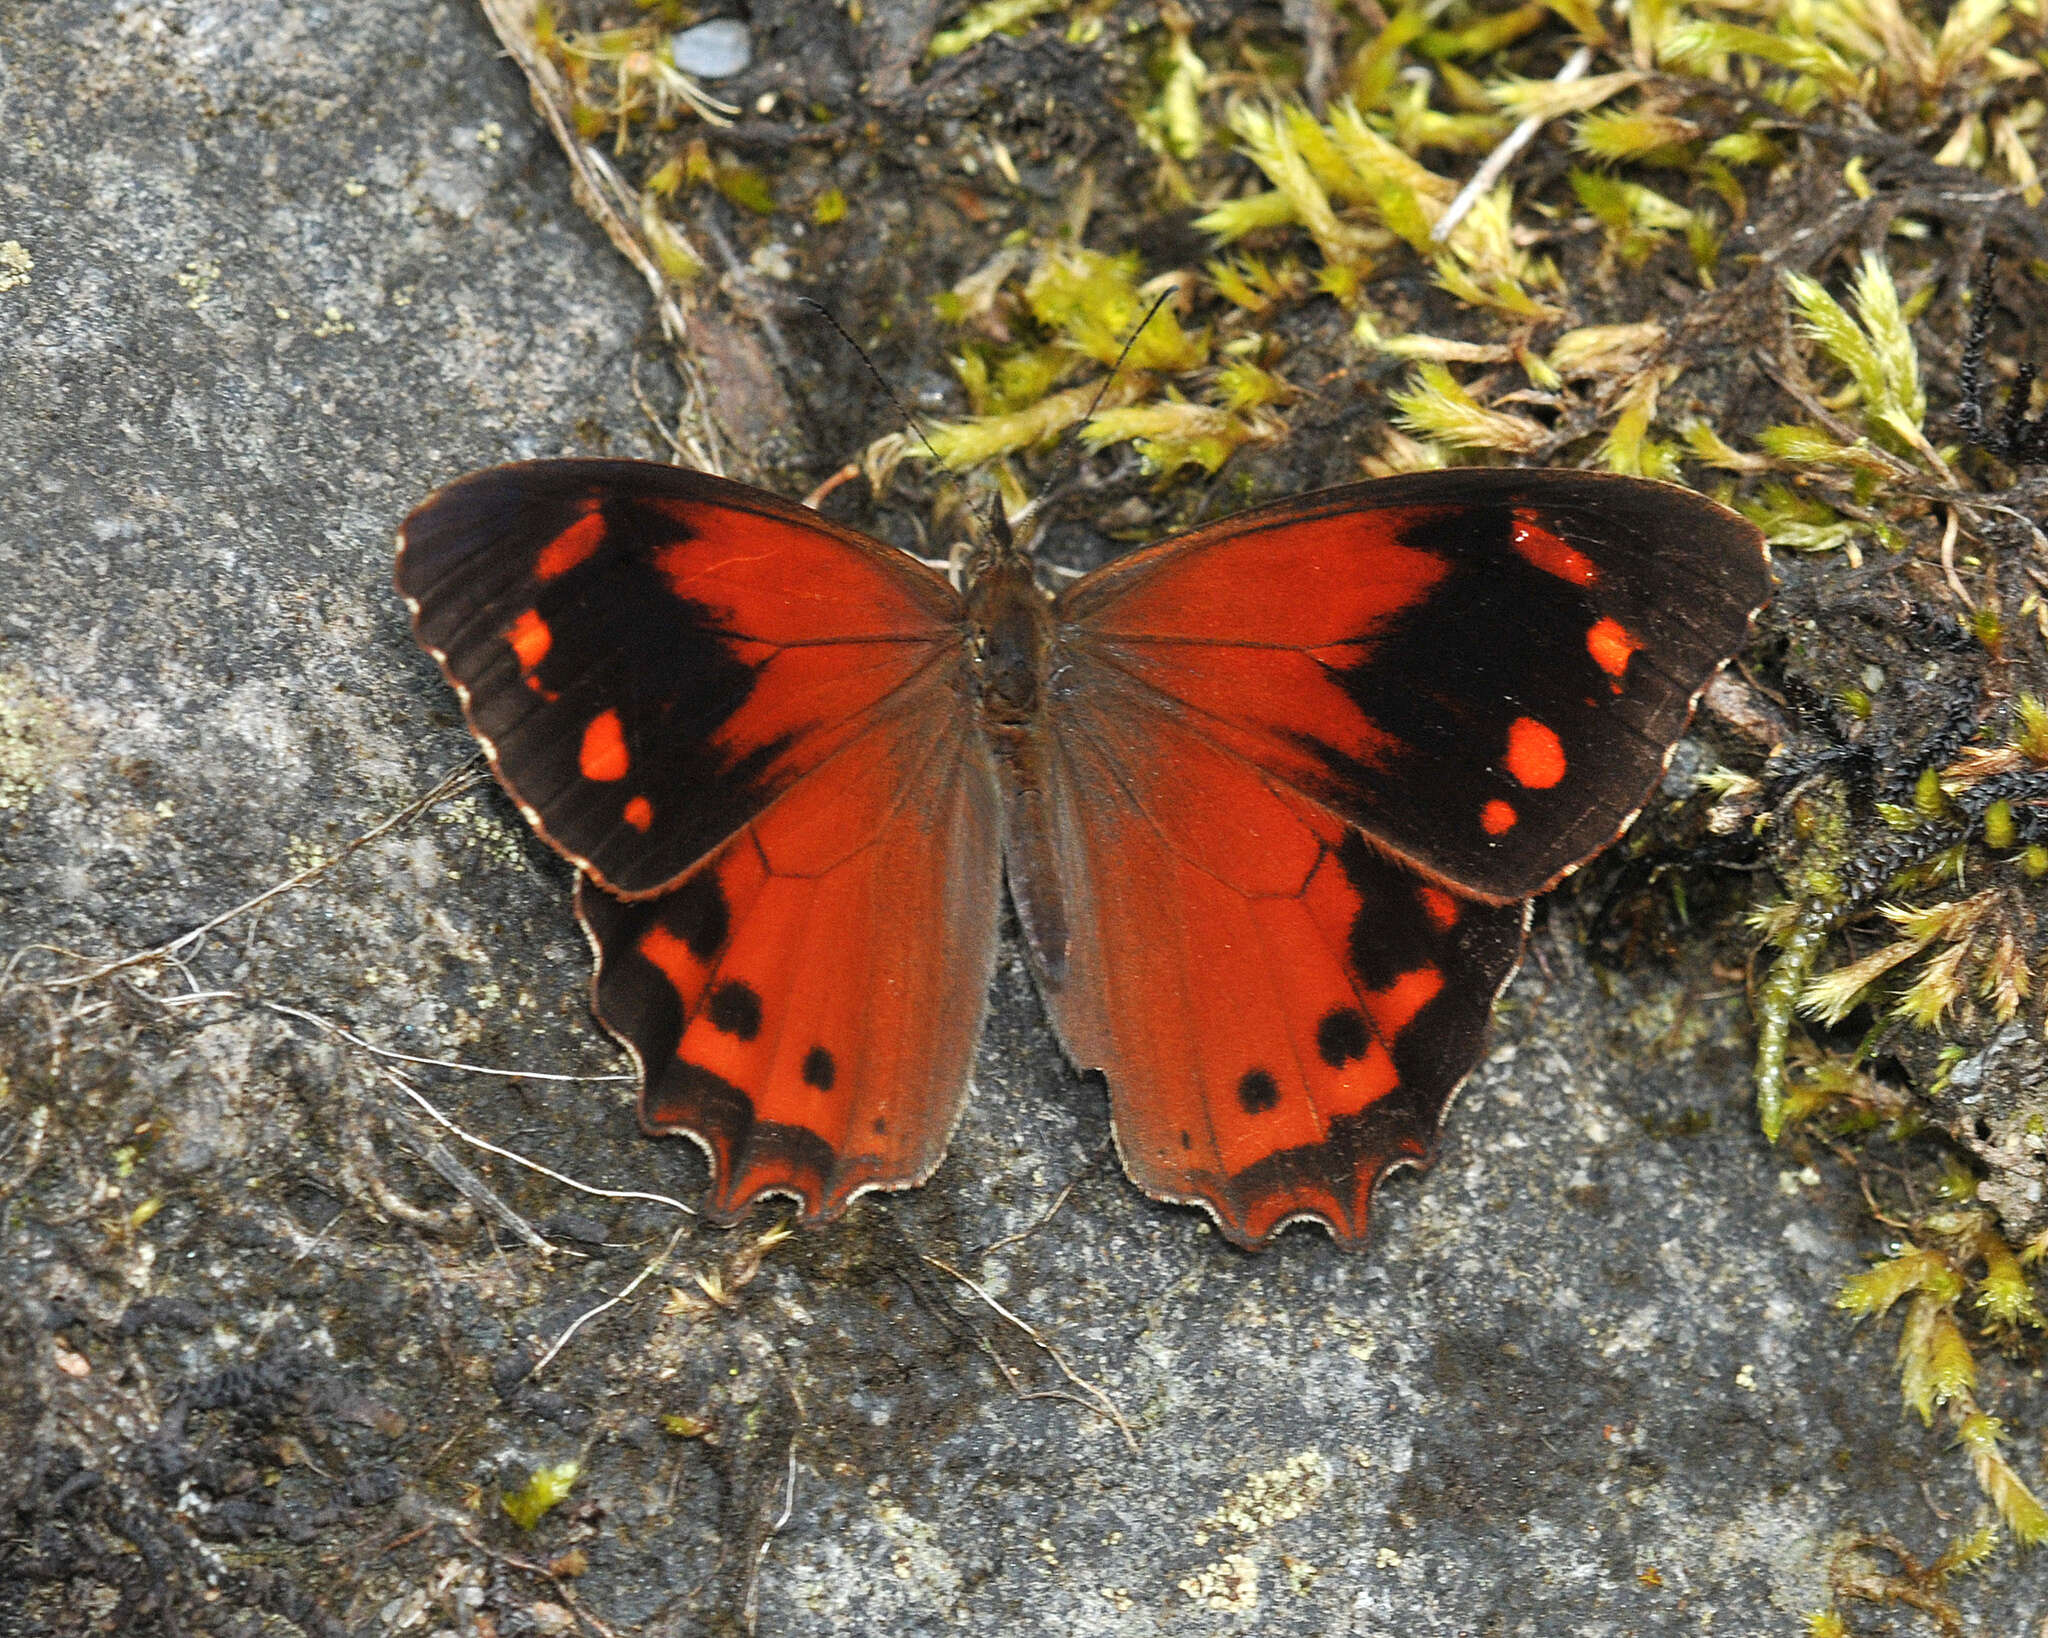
[(1266, 775), (896, 703)]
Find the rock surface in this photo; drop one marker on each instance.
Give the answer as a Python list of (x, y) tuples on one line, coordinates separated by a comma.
[(284, 268)]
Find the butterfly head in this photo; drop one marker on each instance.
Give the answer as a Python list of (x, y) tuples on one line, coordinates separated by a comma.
[(999, 541)]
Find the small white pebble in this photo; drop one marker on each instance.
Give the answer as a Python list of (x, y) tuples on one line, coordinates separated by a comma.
[(772, 261), (716, 50)]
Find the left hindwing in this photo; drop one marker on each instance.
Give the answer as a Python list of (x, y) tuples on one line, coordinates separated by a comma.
[(1483, 670)]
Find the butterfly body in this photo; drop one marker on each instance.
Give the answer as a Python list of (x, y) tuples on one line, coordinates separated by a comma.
[(1269, 799), (1014, 652)]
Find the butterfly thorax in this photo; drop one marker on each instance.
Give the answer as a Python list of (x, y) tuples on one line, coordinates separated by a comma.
[(1010, 619)]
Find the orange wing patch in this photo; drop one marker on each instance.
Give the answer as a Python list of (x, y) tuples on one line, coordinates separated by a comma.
[(1611, 646), (1282, 586), (530, 640), (573, 547), (1537, 545), (602, 755), (1439, 906), (1535, 755)]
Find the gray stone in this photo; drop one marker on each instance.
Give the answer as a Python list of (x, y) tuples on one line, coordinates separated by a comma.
[(291, 266)]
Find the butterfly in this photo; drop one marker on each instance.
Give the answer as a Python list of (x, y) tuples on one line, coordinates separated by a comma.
[(1270, 799)]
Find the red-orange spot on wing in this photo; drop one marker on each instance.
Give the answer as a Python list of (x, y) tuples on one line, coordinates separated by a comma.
[(603, 755), (1497, 818), (1535, 754), (639, 813), (669, 953), (1395, 1007), (1539, 546), (1611, 646), (530, 639), (571, 546), (1439, 906)]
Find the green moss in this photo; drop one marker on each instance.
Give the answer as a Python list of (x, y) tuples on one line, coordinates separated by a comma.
[(545, 1490)]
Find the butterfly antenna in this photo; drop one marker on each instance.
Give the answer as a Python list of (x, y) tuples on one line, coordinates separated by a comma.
[(910, 416), (1151, 313), (1101, 393)]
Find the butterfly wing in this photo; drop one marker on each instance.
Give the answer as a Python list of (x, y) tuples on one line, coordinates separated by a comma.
[(754, 733), (1282, 1012), (652, 656), (1484, 670), (1278, 754)]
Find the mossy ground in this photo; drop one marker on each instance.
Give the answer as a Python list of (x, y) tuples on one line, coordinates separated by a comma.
[(1745, 251)]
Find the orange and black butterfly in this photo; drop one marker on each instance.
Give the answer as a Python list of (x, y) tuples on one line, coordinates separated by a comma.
[(1270, 799)]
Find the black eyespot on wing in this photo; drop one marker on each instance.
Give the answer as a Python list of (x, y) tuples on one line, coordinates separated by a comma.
[(1341, 1037), (1258, 1092), (819, 1069), (736, 1009)]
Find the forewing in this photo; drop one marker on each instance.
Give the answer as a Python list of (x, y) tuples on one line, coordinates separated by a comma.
[(806, 1002), (652, 656), (1483, 669), (1282, 1013)]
